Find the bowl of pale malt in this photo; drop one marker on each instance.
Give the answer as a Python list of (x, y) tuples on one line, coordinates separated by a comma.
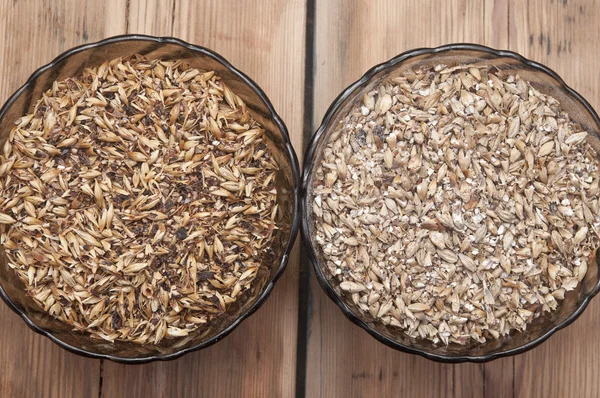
[(450, 201)]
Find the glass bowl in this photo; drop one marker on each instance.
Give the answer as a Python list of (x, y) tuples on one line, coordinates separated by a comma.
[(72, 63), (543, 79)]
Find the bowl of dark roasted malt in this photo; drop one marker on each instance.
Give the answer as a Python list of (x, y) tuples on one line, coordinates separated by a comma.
[(450, 201), (149, 199)]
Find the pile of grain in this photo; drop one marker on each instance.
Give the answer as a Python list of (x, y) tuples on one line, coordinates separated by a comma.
[(138, 199), (457, 204)]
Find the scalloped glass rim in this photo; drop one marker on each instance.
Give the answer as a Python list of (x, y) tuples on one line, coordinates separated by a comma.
[(340, 104), (286, 154)]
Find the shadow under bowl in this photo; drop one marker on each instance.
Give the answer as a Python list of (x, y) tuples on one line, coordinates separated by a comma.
[(543, 79), (73, 63)]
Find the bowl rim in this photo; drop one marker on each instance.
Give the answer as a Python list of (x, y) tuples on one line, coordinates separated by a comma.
[(291, 155), (305, 207)]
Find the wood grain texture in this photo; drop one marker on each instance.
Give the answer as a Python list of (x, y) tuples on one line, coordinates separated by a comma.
[(469, 380), (35, 32), (266, 41), (153, 17), (344, 361), (32, 366), (565, 37)]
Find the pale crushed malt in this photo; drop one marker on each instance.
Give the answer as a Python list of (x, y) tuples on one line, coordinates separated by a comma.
[(456, 204)]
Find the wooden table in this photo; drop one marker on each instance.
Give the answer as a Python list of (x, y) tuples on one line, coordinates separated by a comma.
[(303, 53)]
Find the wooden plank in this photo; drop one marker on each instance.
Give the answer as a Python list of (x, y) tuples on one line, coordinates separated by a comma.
[(469, 380), (32, 366), (34, 32), (495, 24), (564, 37), (150, 17), (266, 41), (342, 359)]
